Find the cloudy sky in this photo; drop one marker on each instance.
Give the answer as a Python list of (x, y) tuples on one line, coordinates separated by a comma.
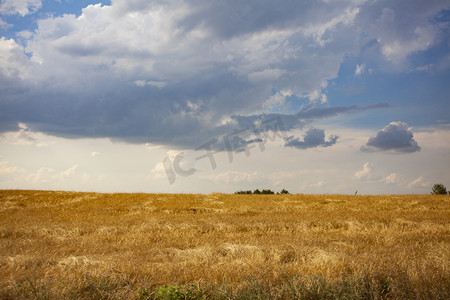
[(202, 96)]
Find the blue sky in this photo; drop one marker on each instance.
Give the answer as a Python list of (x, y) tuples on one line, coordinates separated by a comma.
[(200, 96)]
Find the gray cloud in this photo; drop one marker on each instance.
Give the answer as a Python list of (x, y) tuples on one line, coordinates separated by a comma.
[(305, 115), (313, 138), (394, 137)]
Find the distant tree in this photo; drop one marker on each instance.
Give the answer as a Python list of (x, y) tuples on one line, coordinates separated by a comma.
[(439, 189), (243, 192), (267, 192), (258, 192), (283, 191)]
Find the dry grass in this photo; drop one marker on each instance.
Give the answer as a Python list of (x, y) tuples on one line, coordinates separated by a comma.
[(88, 245)]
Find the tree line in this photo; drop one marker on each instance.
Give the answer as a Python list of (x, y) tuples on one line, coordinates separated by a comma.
[(262, 192)]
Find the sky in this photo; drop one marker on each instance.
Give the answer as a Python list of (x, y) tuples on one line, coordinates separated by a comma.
[(199, 96)]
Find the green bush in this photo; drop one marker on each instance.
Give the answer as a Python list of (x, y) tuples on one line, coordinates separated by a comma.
[(439, 189)]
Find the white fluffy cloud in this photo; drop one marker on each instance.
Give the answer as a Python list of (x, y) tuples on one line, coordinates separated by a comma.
[(13, 62), (20, 7)]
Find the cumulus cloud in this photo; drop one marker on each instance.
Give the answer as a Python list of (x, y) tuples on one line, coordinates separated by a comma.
[(402, 30), (368, 173), (313, 138), (317, 96), (395, 137), (13, 61), (20, 7), (365, 173)]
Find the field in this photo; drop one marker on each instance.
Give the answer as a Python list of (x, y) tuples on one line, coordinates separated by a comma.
[(69, 245)]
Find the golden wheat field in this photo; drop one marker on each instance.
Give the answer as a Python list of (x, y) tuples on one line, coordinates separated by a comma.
[(67, 245)]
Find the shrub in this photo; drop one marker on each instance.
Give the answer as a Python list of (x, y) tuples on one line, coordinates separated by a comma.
[(439, 189)]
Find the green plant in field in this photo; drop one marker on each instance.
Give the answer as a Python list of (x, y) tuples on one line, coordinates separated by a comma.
[(144, 293), (175, 292), (172, 292)]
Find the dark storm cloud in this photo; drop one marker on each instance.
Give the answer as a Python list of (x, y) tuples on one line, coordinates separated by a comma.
[(394, 137)]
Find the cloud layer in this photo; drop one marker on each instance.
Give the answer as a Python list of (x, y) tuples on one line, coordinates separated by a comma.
[(180, 72)]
